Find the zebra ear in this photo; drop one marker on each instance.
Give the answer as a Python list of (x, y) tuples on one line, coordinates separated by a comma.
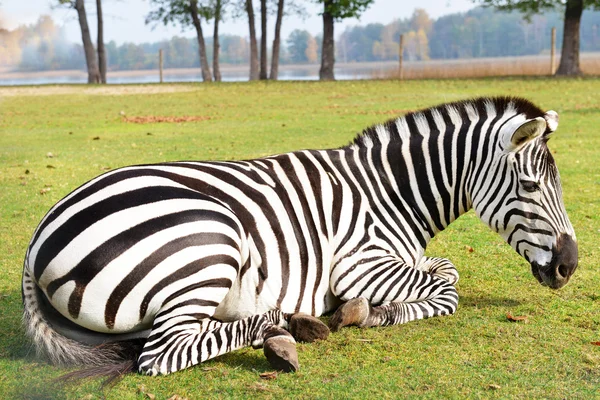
[(526, 132), (551, 118)]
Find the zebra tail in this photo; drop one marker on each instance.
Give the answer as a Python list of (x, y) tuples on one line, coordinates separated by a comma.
[(40, 321)]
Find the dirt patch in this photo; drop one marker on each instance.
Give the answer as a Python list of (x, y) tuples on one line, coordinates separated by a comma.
[(151, 119)]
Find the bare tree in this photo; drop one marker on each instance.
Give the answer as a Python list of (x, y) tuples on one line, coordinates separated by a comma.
[(277, 41), (328, 48), (88, 46), (206, 75), (100, 44), (254, 73), (218, 8), (263, 40)]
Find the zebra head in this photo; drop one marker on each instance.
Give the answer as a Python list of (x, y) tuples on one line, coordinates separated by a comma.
[(524, 201)]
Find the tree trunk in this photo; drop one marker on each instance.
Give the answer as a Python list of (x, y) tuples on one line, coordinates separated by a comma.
[(328, 48), (569, 58), (263, 39), (206, 76), (276, 42), (253, 47), (88, 46), (216, 44), (101, 50)]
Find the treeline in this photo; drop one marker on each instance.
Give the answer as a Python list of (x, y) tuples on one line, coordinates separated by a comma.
[(43, 46), (481, 32)]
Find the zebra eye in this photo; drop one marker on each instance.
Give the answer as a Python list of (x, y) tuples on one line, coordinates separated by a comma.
[(530, 186)]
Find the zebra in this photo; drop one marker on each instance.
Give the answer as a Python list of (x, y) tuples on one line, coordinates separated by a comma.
[(164, 266)]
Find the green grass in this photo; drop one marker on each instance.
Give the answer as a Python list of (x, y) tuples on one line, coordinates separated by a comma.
[(475, 353)]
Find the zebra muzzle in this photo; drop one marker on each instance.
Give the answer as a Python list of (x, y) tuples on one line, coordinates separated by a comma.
[(562, 266)]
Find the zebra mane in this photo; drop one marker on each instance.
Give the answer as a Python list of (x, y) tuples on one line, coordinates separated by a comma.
[(372, 134)]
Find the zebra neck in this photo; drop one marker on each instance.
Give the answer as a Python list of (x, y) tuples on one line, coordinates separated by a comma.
[(432, 183), (428, 167)]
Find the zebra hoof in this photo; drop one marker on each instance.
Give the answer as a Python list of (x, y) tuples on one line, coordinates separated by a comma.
[(280, 351), (353, 312), (306, 328)]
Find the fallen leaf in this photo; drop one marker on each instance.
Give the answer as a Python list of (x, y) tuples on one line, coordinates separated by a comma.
[(493, 386), (142, 390), (469, 249), (177, 397), (49, 155), (595, 343), (96, 138), (268, 375), (516, 318), (50, 166), (45, 190)]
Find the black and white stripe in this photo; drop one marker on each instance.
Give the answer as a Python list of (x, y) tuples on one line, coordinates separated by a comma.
[(200, 258)]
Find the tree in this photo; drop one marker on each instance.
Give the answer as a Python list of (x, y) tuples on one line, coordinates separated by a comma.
[(253, 47), (297, 44), (100, 44), (569, 59), (263, 40), (195, 12), (311, 50), (218, 16), (277, 41), (185, 12), (218, 8), (336, 10), (88, 46)]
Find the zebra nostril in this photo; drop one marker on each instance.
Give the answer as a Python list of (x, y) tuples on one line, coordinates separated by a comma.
[(562, 272)]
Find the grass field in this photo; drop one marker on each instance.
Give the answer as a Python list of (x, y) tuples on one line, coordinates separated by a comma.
[(54, 138)]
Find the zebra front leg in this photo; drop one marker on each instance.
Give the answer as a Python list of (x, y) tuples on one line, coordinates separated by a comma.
[(182, 341), (408, 294)]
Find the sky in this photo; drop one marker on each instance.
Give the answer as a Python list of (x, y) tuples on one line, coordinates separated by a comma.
[(124, 19)]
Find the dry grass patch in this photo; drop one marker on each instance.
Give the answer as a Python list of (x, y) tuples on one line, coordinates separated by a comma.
[(487, 67)]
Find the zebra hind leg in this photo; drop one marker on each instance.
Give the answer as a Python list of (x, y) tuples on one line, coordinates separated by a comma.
[(180, 342), (440, 268)]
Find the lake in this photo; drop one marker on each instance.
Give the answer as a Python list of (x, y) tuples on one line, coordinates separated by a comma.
[(230, 73)]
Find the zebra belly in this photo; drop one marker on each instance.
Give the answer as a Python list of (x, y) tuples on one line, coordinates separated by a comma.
[(248, 296)]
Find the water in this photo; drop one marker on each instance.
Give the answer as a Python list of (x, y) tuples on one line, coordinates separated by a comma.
[(230, 74)]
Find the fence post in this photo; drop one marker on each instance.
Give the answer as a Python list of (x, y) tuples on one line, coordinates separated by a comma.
[(400, 57), (552, 50), (160, 64)]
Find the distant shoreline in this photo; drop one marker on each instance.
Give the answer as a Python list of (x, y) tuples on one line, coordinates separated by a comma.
[(536, 65), (237, 69)]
